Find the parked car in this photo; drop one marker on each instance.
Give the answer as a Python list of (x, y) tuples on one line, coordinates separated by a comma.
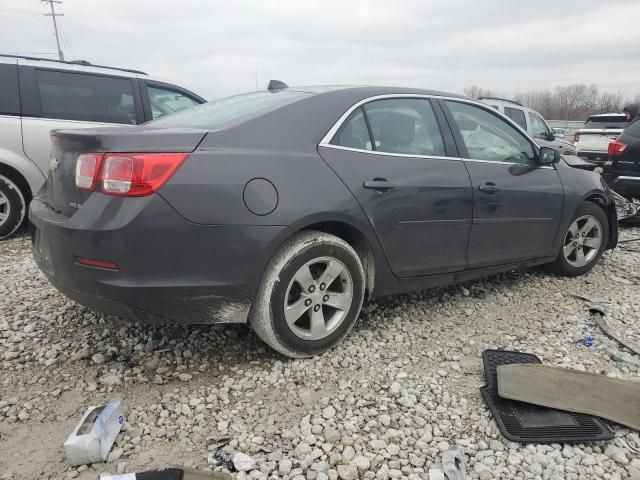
[(39, 95), (560, 132), (622, 170), (532, 123), (286, 208), (592, 140)]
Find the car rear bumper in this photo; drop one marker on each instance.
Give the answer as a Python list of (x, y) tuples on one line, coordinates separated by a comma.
[(168, 269), (626, 185)]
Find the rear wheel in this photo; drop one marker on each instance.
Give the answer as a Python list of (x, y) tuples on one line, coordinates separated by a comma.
[(584, 241), (13, 207), (310, 295)]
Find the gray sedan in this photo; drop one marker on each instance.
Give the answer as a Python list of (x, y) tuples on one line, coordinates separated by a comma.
[(287, 208)]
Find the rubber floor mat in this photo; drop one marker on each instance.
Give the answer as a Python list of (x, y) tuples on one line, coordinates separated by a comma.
[(524, 422)]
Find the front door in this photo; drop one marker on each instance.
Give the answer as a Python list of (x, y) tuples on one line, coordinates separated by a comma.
[(392, 156), (517, 203)]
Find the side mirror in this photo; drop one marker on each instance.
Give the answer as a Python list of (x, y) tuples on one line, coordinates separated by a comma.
[(551, 136), (548, 156)]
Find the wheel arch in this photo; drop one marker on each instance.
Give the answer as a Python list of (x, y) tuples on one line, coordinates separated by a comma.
[(16, 177), (358, 240), (609, 209)]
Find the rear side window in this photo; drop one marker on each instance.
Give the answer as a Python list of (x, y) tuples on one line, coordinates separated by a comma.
[(226, 110), (9, 99), (354, 133), (405, 126), (90, 98), (517, 116), (165, 102), (606, 121), (489, 137)]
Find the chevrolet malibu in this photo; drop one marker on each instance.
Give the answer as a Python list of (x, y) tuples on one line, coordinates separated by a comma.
[(286, 208)]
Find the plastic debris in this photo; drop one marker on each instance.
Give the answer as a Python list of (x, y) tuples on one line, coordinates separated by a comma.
[(588, 341), (93, 437)]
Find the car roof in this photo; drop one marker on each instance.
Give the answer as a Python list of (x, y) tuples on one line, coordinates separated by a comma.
[(361, 92), (76, 65)]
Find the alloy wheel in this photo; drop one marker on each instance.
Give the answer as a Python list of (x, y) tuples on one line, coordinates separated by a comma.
[(318, 298), (5, 208), (582, 241)]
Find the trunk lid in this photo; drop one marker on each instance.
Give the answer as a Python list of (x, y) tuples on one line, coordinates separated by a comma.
[(67, 145)]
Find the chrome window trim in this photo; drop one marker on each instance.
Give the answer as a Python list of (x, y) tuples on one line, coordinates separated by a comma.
[(326, 140), (386, 154), (546, 167), (627, 178)]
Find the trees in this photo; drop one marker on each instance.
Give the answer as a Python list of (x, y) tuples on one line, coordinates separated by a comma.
[(571, 102)]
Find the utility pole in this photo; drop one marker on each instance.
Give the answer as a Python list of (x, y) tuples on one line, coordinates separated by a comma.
[(53, 15)]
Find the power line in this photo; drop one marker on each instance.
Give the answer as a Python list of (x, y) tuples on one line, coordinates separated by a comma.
[(53, 15)]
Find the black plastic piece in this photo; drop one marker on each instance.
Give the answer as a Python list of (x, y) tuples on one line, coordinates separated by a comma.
[(276, 85), (168, 474), (524, 422)]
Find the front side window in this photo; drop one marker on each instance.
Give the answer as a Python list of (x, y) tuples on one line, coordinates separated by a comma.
[(353, 133), (404, 126), (539, 128), (165, 102), (90, 98), (488, 137), (517, 116)]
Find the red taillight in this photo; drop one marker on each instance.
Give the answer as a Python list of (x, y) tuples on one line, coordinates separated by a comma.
[(617, 148), (89, 262), (127, 174), (87, 169), (576, 136)]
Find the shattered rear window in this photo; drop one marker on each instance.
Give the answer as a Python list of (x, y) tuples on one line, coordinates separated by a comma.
[(217, 113)]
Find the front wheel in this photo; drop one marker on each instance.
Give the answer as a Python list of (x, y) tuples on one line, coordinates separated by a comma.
[(309, 296), (584, 241)]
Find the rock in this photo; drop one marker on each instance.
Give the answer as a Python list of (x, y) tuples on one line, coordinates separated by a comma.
[(110, 380), (347, 472), (361, 462), (243, 462), (284, 467), (329, 412), (184, 377), (98, 358), (115, 455)]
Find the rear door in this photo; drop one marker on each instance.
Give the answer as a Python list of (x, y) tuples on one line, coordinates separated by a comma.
[(59, 99), (517, 204), (405, 174)]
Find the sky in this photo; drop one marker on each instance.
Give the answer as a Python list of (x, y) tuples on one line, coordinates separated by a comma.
[(219, 48)]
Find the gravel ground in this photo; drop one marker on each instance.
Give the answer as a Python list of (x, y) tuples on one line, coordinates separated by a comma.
[(400, 390)]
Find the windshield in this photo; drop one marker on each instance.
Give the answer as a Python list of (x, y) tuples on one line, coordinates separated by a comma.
[(216, 113), (609, 121)]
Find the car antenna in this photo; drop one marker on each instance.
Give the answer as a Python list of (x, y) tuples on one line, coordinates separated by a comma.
[(276, 85)]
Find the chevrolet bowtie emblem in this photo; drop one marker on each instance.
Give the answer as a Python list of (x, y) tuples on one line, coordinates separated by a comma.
[(54, 163)]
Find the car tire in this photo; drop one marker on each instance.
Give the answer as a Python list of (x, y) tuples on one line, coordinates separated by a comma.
[(584, 241), (13, 207), (295, 312)]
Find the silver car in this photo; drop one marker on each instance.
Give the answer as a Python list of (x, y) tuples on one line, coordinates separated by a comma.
[(532, 123), (37, 96)]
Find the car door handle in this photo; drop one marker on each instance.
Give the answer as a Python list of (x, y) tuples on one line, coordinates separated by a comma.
[(379, 184), (489, 188)]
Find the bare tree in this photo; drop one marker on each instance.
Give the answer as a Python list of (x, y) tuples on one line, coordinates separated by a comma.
[(474, 91)]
